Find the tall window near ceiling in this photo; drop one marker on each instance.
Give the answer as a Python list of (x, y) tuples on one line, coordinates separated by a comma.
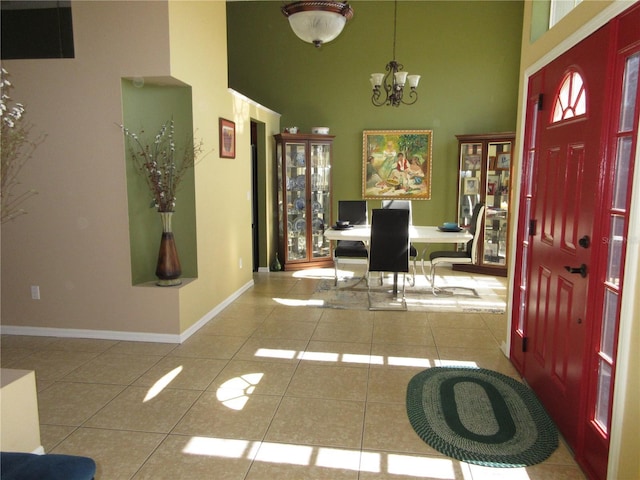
[(559, 8), (36, 29)]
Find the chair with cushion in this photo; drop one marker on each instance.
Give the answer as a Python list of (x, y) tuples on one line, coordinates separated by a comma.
[(389, 245), (29, 466), (413, 252), (355, 211), (468, 255)]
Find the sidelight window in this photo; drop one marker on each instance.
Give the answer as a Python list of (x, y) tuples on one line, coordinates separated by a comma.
[(616, 241)]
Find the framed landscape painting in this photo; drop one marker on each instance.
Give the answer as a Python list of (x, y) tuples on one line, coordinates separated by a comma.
[(396, 164)]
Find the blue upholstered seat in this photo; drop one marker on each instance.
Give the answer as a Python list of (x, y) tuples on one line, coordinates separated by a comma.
[(28, 466)]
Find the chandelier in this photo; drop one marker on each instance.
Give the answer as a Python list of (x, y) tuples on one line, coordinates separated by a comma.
[(393, 82), (317, 22)]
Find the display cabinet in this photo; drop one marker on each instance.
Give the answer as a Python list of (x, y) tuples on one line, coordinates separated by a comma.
[(485, 176), (304, 199)]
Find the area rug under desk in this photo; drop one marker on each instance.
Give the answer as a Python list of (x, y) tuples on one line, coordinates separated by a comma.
[(464, 294), (480, 416)]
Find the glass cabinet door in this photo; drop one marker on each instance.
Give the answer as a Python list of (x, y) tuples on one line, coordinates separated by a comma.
[(295, 156), (320, 198), (497, 203), (470, 181)]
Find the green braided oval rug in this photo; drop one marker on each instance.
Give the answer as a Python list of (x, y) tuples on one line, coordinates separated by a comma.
[(480, 416)]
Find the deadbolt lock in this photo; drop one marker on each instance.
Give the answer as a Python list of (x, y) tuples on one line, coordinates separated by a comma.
[(585, 242)]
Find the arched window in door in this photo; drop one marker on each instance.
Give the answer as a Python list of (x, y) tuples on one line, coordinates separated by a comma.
[(571, 99)]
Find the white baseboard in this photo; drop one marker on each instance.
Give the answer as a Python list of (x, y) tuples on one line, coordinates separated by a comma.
[(97, 334), (125, 336), (215, 311)]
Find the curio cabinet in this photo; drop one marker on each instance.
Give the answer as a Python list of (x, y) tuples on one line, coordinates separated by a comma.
[(304, 199), (485, 176)]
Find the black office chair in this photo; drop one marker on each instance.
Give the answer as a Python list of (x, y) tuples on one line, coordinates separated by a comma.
[(389, 246), (468, 255), (413, 252), (355, 211)]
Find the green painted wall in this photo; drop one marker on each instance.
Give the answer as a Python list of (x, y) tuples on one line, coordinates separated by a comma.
[(146, 108), (467, 53)]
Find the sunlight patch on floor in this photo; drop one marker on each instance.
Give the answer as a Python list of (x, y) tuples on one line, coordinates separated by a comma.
[(315, 273), (162, 383), (343, 357), (320, 356), (456, 363), (234, 393), (488, 473), (324, 457), (296, 302), (276, 353), (338, 458), (218, 447), (408, 362), (285, 453), (430, 467)]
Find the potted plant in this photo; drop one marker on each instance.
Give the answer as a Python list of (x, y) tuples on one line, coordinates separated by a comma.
[(16, 149), (163, 166)]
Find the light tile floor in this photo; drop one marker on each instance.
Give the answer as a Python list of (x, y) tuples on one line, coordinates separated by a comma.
[(264, 391)]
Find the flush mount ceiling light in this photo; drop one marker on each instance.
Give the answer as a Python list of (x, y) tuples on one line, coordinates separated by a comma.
[(393, 82), (317, 22)]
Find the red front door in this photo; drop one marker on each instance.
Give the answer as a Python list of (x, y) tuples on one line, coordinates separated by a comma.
[(581, 126), (567, 181)]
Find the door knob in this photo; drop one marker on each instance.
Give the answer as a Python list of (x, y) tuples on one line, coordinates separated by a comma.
[(582, 270)]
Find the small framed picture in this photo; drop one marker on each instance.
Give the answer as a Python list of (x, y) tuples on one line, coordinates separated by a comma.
[(471, 185), (227, 139), (493, 184), (503, 161), (472, 162)]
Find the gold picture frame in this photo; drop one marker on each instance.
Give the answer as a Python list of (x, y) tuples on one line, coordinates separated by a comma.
[(396, 164), (471, 186)]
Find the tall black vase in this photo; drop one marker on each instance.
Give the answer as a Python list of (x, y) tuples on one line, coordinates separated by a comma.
[(168, 269)]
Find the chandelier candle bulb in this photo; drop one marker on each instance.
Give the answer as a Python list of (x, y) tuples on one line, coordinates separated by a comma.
[(376, 79), (400, 78), (413, 80)]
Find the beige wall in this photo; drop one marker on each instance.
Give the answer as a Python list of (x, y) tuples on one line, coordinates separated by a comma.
[(19, 413), (74, 242), (624, 462)]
